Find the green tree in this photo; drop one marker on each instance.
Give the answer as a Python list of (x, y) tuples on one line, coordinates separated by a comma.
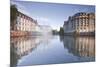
[(13, 16), (61, 32)]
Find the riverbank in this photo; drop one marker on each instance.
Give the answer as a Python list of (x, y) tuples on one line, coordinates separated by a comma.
[(18, 33), (25, 33), (80, 34)]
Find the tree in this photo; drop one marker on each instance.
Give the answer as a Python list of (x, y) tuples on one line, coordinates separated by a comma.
[(55, 32), (61, 32), (13, 16)]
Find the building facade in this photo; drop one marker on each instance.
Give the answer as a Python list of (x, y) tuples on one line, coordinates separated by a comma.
[(80, 23), (45, 29), (25, 23)]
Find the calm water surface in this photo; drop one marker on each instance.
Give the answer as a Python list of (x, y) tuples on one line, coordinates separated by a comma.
[(51, 50)]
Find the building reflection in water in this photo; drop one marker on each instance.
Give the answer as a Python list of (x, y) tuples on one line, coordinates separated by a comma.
[(22, 46), (79, 46)]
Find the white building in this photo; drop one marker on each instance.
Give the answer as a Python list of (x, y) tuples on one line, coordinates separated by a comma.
[(45, 29)]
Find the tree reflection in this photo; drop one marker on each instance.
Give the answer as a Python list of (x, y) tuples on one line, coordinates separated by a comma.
[(13, 56)]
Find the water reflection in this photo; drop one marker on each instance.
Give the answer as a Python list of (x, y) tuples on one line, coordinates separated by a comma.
[(22, 46), (51, 49), (80, 46)]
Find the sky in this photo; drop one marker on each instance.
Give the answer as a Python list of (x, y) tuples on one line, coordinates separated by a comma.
[(52, 14)]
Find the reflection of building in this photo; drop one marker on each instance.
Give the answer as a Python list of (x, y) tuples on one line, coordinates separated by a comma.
[(80, 46), (20, 47), (80, 23), (85, 46), (13, 56), (24, 45)]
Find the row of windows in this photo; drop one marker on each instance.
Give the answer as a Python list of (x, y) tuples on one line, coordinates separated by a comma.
[(80, 24), (25, 17), (25, 24), (85, 27), (80, 27), (24, 20)]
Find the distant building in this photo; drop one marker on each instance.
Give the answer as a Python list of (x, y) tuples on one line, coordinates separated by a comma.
[(80, 23), (45, 29)]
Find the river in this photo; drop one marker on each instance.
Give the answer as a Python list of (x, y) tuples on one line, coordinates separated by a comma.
[(50, 49)]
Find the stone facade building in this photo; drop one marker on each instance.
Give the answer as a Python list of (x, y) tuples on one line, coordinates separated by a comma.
[(81, 23), (24, 25)]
